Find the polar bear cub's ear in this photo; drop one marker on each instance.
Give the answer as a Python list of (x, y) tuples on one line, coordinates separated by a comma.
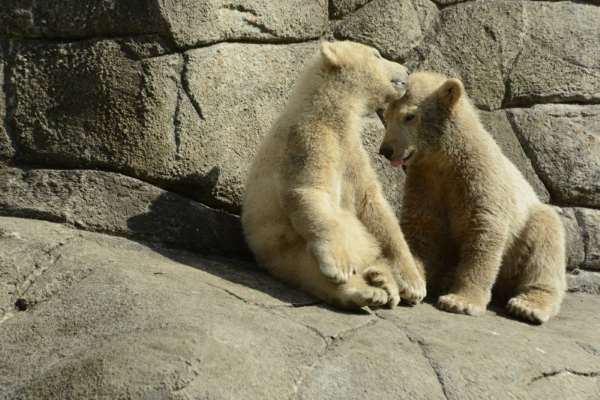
[(450, 92), (332, 53)]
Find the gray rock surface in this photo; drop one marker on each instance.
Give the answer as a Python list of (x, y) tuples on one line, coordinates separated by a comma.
[(393, 27), (589, 220), (563, 143), (340, 8), (240, 89), (120, 205), (185, 23), (476, 41), (105, 317), (497, 124), (581, 281), (557, 63), (574, 237), (193, 23), (190, 122), (6, 148), (96, 104)]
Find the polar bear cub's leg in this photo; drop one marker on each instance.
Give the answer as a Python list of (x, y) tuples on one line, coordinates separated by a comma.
[(537, 267)]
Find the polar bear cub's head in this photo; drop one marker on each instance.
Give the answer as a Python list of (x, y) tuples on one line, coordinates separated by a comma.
[(363, 72), (416, 122)]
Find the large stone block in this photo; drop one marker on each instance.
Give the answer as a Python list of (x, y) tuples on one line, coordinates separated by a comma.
[(393, 27), (103, 317), (512, 53), (563, 143), (187, 23), (497, 124), (476, 41), (558, 62), (96, 104), (192, 23), (120, 205)]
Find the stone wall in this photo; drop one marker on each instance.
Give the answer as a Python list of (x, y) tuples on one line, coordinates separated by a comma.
[(113, 107)]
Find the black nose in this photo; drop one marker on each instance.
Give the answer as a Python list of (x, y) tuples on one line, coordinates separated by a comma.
[(386, 151)]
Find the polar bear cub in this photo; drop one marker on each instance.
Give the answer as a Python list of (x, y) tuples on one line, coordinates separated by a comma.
[(314, 214), (468, 213)]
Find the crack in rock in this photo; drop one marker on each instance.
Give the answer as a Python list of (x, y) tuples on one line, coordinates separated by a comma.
[(535, 163), (435, 366), (249, 16), (260, 305), (331, 343), (185, 83), (40, 268), (588, 348), (177, 124), (550, 374)]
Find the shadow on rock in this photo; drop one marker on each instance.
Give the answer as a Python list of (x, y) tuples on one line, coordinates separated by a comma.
[(182, 222)]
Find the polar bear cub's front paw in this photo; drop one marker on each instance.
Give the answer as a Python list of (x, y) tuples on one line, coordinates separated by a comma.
[(334, 262), (411, 285), (379, 277)]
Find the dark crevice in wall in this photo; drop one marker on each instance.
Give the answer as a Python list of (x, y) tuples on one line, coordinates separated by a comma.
[(185, 83), (442, 6), (341, 16), (532, 101)]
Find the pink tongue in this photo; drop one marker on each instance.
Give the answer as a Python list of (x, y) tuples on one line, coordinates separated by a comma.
[(397, 163)]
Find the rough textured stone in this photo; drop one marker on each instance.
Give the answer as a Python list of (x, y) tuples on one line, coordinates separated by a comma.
[(580, 281), (498, 125), (16, 17), (108, 202), (110, 318), (189, 123), (186, 23), (240, 90), (393, 27), (557, 63), (574, 237), (76, 18), (558, 361), (589, 220), (563, 143), (96, 104), (6, 147), (340, 8), (476, 41), (194, 23), (512, 53)]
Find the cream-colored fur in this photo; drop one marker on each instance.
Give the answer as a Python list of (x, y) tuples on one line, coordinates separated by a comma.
[(313, 213), (468, 213)]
